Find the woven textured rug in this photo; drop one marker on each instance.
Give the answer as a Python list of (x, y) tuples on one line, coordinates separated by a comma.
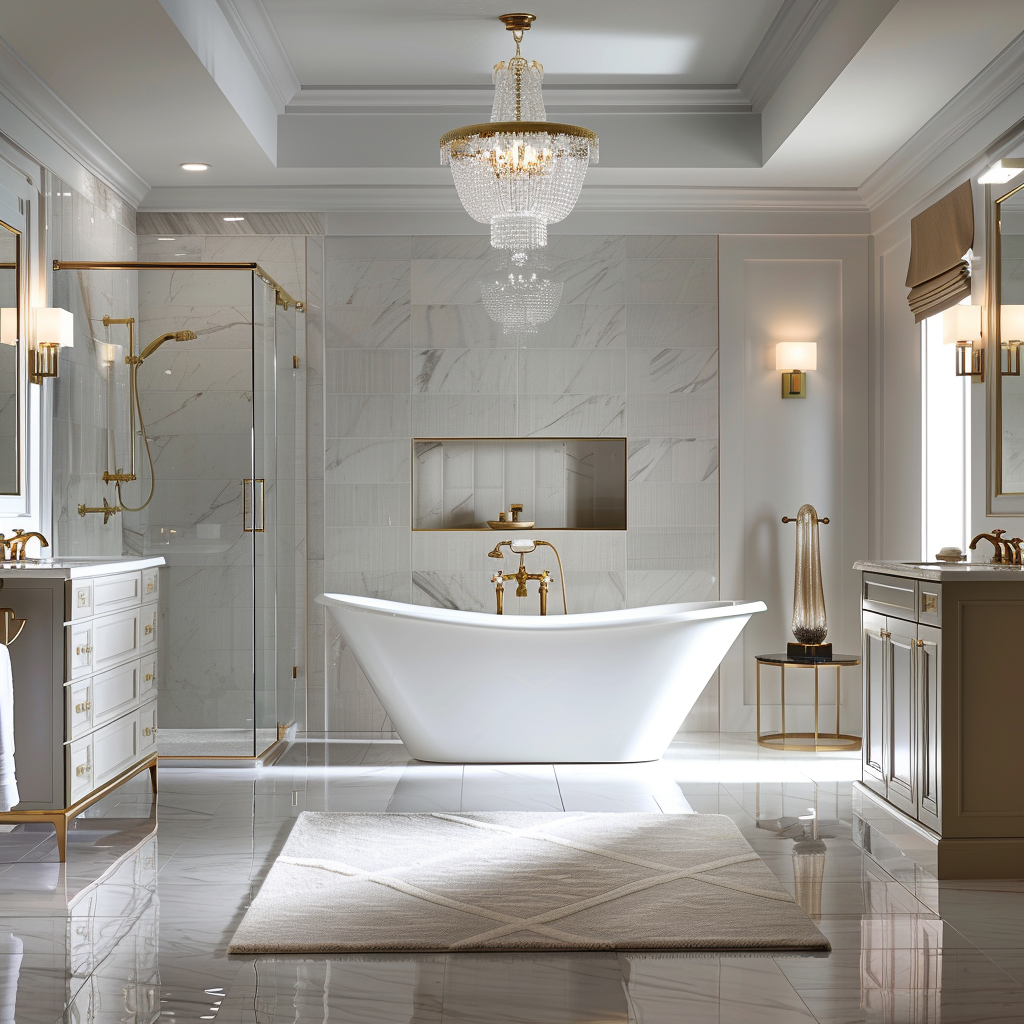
[(519, 881)]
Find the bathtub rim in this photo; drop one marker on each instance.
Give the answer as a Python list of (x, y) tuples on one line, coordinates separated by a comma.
[(684, 611)]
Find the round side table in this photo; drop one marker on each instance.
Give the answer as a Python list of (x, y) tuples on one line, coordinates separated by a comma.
[(805, 740)]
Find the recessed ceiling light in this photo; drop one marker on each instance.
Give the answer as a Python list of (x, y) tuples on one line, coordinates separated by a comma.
[(1002, 171), (166, 239), (233, 218), (195, 167)]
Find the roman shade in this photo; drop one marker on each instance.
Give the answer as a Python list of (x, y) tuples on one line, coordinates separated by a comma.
[(939, 276)]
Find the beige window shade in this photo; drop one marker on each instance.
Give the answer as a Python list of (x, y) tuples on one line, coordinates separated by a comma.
[(939, 276)]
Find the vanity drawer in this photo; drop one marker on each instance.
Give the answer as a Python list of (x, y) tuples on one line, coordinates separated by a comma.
[(150, 584), (78, 600), (80, 649), (111, 593), (889, 595), (80, 769), (115, 747), (147, 677), (147, 624), (114, 692), (115, 639), (929, 602), (147, 729), (78, 713)]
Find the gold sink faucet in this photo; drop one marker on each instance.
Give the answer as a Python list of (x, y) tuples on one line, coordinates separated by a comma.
[(522, 577), (1004, 552), (14, 547)]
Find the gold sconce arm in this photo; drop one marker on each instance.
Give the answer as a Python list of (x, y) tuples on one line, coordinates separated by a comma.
[(1012, 350)]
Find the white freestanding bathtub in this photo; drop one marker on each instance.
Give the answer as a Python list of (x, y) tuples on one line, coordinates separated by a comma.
[(470, 688)]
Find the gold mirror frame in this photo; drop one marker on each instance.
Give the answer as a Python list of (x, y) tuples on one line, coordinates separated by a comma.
[(12, 396), (1000, 502)]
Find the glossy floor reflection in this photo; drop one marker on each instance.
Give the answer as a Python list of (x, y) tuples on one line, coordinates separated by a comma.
[(135, 926)]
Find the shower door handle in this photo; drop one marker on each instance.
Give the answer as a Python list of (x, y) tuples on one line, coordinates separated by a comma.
[(253, 505)]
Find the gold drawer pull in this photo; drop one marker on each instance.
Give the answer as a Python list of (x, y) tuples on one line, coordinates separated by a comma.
[(920, 643), (149, 586), (148, 731), (885, 634), (149, 677), (148, 629), (83, 769), (83, 649), (80, 709)]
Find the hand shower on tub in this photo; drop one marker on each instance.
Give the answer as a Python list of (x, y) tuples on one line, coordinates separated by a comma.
[(134, 410)]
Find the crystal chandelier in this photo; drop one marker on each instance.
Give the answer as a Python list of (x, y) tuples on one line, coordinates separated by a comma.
[(520, 293), (520, 172)]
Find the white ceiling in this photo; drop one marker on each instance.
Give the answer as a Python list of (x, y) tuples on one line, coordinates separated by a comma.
[(316, 93)]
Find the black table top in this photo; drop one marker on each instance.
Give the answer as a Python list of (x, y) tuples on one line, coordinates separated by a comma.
[(785, 659)]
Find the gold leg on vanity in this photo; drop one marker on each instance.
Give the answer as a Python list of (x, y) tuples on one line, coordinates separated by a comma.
[(152, 775)]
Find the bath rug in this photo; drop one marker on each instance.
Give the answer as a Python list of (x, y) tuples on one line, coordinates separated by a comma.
[(512, 881)]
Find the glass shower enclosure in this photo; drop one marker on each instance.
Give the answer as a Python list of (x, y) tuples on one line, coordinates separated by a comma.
[(218, 427)]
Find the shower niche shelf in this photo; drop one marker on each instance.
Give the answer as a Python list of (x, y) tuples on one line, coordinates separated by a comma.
[(563, 483)]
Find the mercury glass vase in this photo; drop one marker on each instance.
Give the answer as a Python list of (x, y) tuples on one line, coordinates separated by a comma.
[(809, 623)]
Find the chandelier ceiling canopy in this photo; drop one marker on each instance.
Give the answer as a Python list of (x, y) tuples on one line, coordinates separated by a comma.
[(519, 172)]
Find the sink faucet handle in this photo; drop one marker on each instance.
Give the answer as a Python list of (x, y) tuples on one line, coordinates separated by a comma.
[(515, 509)]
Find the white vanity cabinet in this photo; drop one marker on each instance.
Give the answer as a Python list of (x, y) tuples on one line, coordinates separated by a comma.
[(942, 705), (85, 686)]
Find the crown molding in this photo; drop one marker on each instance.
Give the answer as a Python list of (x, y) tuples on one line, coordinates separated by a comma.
[(443, 199), (64, 129), (979, 97), (471, 100), (788, 34), (255, 32)]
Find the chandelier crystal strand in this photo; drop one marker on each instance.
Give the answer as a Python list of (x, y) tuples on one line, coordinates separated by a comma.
[(519, 173), (520, 293)]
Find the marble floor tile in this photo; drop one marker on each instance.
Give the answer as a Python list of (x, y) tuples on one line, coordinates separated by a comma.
[(905, 947)]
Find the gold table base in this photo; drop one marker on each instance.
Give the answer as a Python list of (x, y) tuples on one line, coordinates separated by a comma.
[(809, 741)]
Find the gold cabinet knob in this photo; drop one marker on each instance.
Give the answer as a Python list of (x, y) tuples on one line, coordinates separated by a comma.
[(149, 677), (83, 707), (83, 769), (149, 586), (148, 629), (83, 649)]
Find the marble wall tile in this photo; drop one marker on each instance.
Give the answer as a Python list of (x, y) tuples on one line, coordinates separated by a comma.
[(453, 247), (217, 326), (683, 547), (679, 325), (668, 586), (379, 550), (593, 281), (367, 282), (393, 586), (368, 247), (447, 282), (593, 550), (367, 505), (463, 415), (574, 372), (470, 371), (693, 416), (669, 371), (368, 326), (195, 288), (367, 416), (576, 247), (590, 326), (465, 326), (202, 413), (671, 246), (367, 371), (672, 280), (572, 415), (367, 460), (665, 459), (674, 504), (352, 706)]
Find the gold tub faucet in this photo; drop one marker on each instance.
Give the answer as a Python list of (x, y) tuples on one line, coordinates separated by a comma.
[(521, 576)]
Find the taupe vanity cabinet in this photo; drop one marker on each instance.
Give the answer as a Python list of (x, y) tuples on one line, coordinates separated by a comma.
[(943, 701), (85, 669)]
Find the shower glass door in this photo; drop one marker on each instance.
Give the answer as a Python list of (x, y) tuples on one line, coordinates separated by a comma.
[(217, 430)]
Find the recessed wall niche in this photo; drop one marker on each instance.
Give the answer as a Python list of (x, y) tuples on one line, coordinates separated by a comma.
[(563, 483)]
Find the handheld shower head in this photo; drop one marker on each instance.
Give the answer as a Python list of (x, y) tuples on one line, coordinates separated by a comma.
[(170, 336)]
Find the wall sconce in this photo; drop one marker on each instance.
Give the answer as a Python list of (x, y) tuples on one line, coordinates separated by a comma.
[(1002, 171), (1011, 335), (961, 325), (9, 325), (794, 358), (49, 330)]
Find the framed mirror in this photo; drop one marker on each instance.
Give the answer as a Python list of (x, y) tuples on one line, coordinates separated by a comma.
[(12, 321)]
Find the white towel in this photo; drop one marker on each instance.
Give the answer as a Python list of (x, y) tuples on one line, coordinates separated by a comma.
[(8, 783)]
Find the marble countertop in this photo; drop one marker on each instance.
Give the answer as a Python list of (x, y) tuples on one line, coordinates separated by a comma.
[(78, 568), (945, 572)]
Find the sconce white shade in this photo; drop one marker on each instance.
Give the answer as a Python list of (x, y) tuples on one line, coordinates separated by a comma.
[(51, 325), (796, 355), (9, 325), (1011, 323), (1002, 171), (961, 323)]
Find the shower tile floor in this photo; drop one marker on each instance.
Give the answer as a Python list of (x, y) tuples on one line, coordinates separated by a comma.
[(135, 926)]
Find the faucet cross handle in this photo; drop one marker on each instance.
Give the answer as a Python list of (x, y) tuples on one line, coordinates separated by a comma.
[(18, 544)]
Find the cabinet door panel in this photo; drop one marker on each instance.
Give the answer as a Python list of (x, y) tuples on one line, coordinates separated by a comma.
[(901, 732), (929, 649), (873, 659)]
